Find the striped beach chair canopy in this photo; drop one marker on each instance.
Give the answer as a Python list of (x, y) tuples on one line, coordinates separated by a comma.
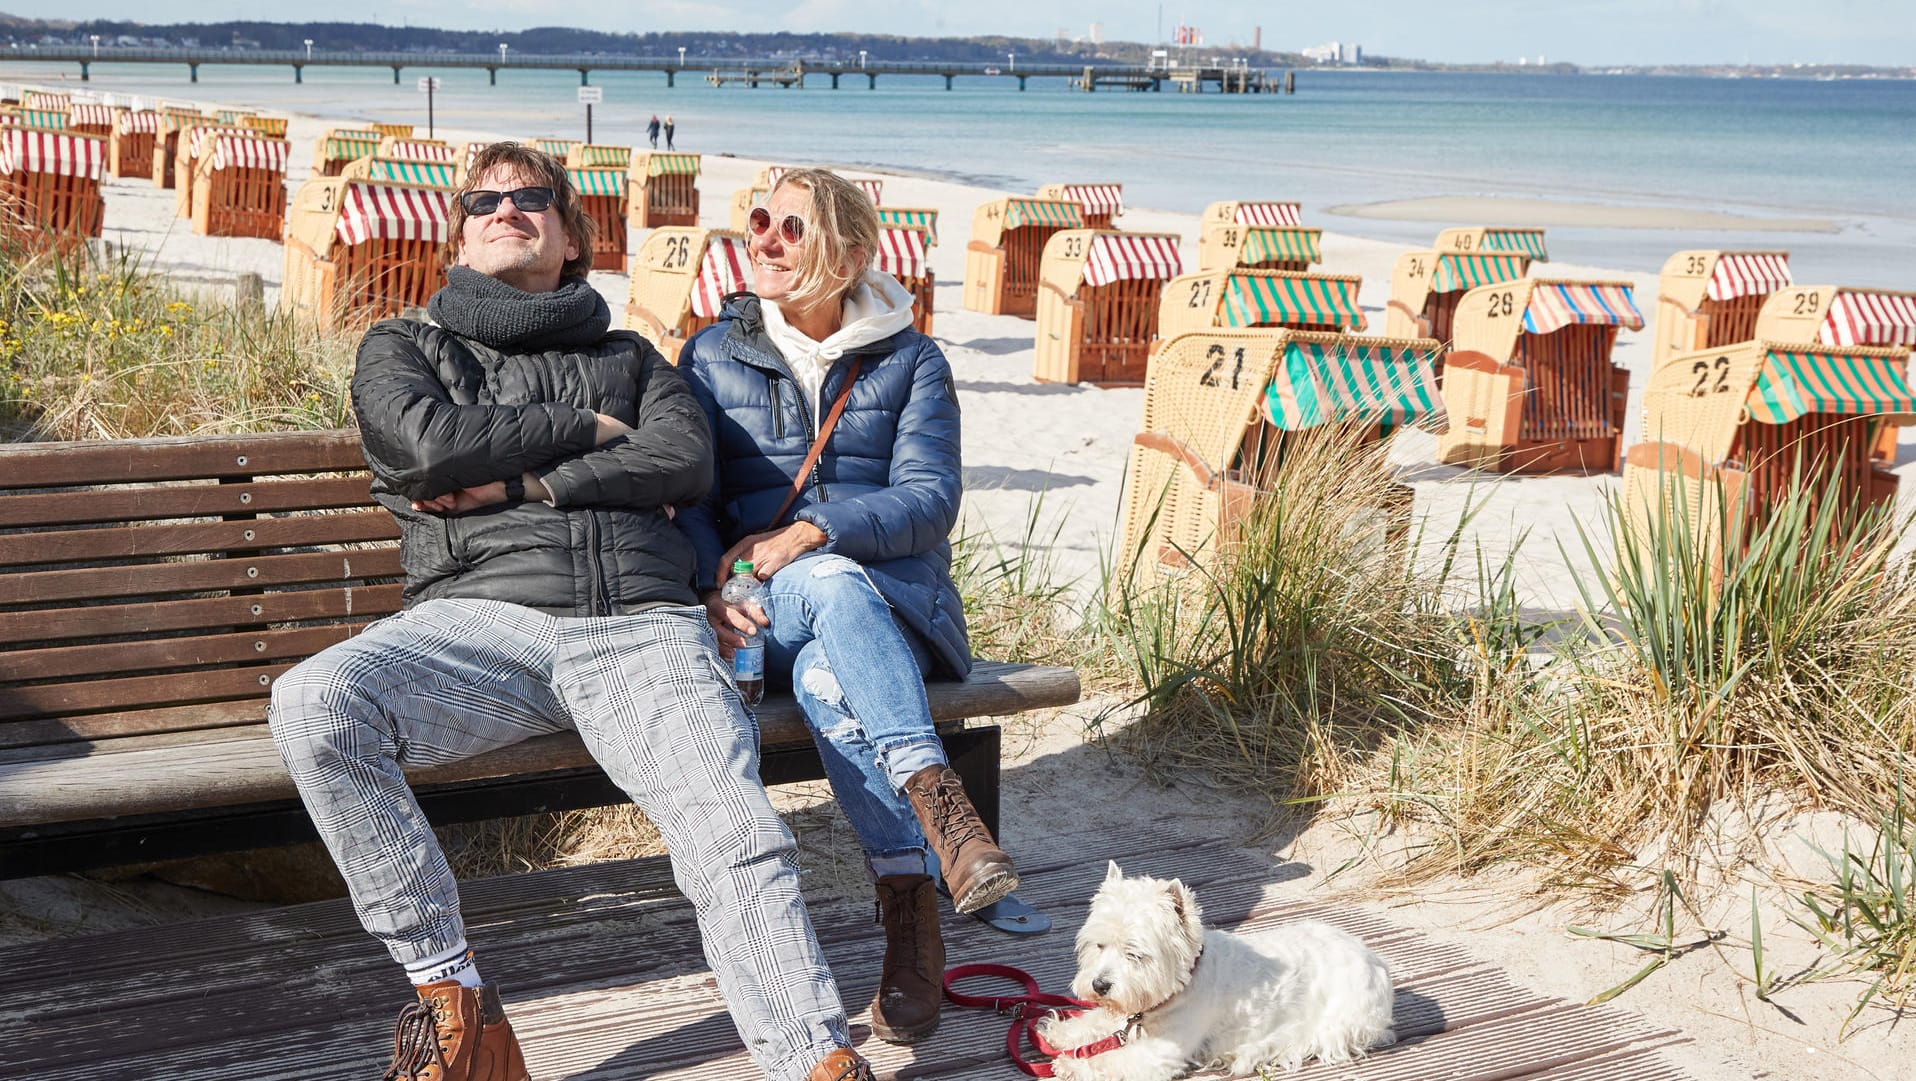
[(397, 131), (234, 151), (1795, 382), (558, 148), (901, 252), (42, 99), (369, 211), (1340, 378), (1107, 199), (135, 122), (274, 126), (36, 150), (49, 119), (1254, 213), (724, 269), (233, 116), (1557, 304), (1053, 212), (416, 149), (93, 116), (431, 174), (1748, 273), (600, 156), (646, 165), (1494, 239), (1115, 257), (768, 177), (1272, 297), (1263, 244), (1870, 317), (606, 181), (925, 221), (1456, 272)]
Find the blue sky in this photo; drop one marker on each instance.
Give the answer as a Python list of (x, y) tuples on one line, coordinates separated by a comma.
[(1583, 31)]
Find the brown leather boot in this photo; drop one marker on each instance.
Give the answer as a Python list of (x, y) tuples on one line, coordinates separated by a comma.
[(911, 987), (977, 871), (456, 1033), (842, 1065)]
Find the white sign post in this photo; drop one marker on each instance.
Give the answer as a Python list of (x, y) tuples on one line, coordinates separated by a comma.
[(588, 97), (428, 84)]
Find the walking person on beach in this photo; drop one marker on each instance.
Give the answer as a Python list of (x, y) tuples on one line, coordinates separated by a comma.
[(533, 458), (847, 527), (652, 130), (668, 131)]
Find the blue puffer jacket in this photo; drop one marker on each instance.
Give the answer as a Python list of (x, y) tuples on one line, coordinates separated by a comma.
[(885, 492)]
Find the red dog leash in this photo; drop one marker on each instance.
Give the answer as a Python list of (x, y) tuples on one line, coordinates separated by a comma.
[(1026, 1011)]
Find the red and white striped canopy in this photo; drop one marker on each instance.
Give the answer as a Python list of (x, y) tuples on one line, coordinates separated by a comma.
[(725, 269), (369, 211), (41, 99), (873, 188), (1129, 256), (1865, 318), (406, 150), (199, 140), (1097, 198), (33, 150), (901, 252), (134, 122), (94, 115), (1748, 273), (238, 151), (772, 173), (1278, 214)]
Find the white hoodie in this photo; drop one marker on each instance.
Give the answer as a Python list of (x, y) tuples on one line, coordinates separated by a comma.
[(875, 309)]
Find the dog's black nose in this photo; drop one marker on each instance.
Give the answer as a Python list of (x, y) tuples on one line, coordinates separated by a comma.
[(1101, 986)]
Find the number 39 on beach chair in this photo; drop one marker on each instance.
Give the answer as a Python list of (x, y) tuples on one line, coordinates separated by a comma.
[(680, 278), (1728, 432), (1100, 203), (129, 150), (1098, 299), (359, 250), (1219, 409), (1529, 384), (667, 189), (1261, 236), (1426, 286), (1709, 299), (50, 188), (239, 187), (1006, 251)]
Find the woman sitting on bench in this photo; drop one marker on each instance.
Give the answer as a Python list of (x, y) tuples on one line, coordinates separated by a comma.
[(836, 431)]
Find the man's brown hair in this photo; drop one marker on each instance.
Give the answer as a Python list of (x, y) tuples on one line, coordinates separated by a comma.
[(544, 170)]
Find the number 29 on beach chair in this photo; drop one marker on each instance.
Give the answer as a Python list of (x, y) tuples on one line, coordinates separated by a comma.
[(1098, 300), (680, 278), (1842, 315)]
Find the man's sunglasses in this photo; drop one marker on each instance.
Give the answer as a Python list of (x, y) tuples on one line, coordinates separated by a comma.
[(481, 203), (791, 229)]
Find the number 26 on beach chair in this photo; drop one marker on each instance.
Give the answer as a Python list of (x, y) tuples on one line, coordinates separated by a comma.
[(680, 278), (667, 190), (1098, 300), (239, 186), (50, 188), (1006, 251), (1529, 383), (359, 251), (1221, 406)]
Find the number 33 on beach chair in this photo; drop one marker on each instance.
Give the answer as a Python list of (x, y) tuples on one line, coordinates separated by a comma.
[(1098, 299), (679, 282)]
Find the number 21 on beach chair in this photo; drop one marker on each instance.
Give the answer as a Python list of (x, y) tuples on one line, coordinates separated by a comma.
[(1709, 299), (1220, 407), (667, 190), (1006, 251), (359, 251), (50, 188), (1099, 203), (680, 278), (1426, 286), (239, 186), (1098, 298), (1529, 383)]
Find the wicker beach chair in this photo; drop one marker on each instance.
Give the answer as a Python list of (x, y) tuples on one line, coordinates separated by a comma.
[(339, 146), (558, 148), (239, 186), (1709, 299), (1425, 287), (599, 156), (409, 149), (1843, 315), (50, 188), (174, 122), (273, 127), (1529, 383), (680, 278), (1220, 406), (44, 119), (663, 189), (604, 193), (233, 117), (743, 200), (46, 99), (1263, 236), (1099, 203), (1098, 301), (1480, 238), (196, 142), (361, 250), (395, 131), (129, 150), (91, 118), (1006, 250)]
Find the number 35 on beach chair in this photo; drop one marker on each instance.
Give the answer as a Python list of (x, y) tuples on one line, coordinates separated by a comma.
[(1219, 409), (1529, 384), (1098, 299), (680, 278), (1709, 299)]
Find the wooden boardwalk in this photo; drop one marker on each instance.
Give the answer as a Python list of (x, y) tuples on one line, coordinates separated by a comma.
[(604, 981)]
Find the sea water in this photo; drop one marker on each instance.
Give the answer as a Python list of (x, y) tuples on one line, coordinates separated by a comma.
[(1841, 151)]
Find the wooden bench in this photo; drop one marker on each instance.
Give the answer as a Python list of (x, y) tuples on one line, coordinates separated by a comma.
[(152, 590)]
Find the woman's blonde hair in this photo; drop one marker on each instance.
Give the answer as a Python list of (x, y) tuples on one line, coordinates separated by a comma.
[(841, 234)]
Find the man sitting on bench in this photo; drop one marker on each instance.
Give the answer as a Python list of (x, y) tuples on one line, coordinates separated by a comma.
[(532, 459)]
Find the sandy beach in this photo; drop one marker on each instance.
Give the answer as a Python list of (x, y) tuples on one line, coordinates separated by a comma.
[(1057, 454)]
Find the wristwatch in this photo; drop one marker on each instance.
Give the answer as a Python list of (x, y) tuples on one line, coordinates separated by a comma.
[(516, 489)]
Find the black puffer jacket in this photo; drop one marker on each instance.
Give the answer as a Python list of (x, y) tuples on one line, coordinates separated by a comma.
[(438, 412)]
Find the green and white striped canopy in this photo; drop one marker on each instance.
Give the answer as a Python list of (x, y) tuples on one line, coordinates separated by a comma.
[(1458, 271), (1793, 384), (1523, 241), (1020, 212), (1258, 300), (1318, 383), (672, 165), (351, 147), (1272, 244), (925, 221), (432, 173), (598, 181), (50, 119)]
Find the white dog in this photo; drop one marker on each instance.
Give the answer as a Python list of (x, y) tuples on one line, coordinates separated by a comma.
[(1184, 998)]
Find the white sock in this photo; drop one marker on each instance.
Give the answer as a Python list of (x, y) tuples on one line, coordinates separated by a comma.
[(455, 964)]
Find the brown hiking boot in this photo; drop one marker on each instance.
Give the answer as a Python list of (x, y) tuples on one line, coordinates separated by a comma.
[(976, 870), (910, 990), (842, 1065), (456, 1033)]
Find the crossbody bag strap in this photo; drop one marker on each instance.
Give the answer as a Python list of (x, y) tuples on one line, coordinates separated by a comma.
[(818, 446)]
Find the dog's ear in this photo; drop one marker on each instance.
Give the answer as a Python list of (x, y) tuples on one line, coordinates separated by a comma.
[(1113, 872), (1184, 903)]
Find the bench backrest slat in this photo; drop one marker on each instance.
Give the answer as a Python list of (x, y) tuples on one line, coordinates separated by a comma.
[(44, 625), (181, 501), (252, 572), (53, 737), (131, 461), (118, 658), (176, 689), (139, 542)]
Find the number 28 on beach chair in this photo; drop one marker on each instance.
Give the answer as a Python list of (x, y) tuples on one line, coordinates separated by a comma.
[(1529, 384), (680, 278), (333, 150), (129, 150), (667, 189), (1100, 203), (358, 250), (1709, 299), (1729, 431), (1220, 406), (50, 187), (1425, 287), (1098, 298), (239, 187), (1006, 251)]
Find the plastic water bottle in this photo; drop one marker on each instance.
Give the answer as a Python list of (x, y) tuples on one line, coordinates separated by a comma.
[(748, 660)]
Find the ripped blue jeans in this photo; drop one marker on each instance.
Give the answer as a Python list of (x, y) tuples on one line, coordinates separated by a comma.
[(858, 676)]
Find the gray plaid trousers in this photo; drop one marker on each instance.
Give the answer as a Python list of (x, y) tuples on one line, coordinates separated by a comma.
[(451, 678)]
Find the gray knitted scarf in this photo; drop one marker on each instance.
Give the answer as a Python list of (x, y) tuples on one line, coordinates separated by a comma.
[(487, 310)]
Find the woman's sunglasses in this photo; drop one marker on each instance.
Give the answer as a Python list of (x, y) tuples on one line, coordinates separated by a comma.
[(791, 228), (481, 203)]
